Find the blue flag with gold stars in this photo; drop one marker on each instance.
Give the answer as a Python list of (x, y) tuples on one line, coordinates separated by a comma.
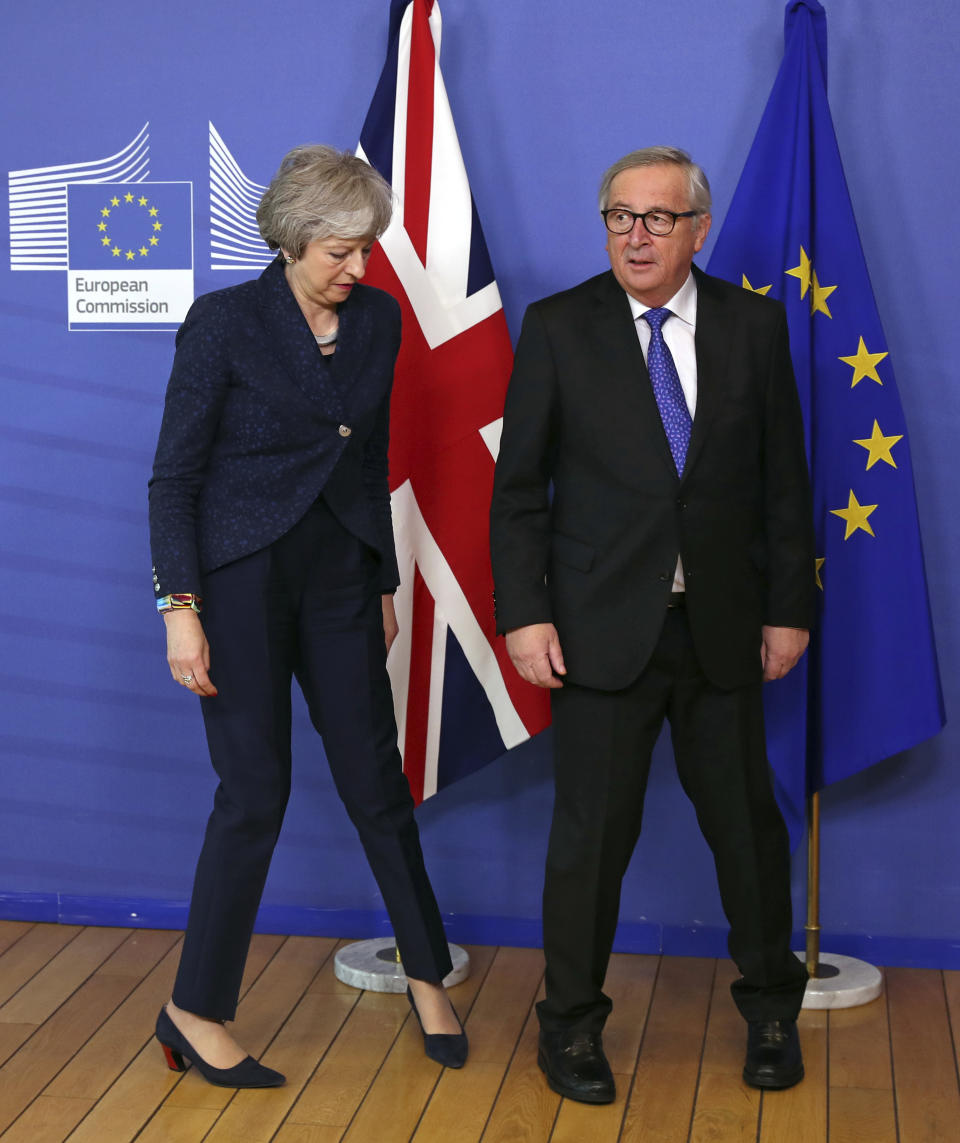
[(130, 226), (869, 686)]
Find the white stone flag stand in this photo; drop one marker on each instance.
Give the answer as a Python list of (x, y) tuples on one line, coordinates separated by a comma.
[(375, 966)]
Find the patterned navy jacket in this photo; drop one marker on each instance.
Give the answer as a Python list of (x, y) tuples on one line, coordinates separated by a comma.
[(257, 423)]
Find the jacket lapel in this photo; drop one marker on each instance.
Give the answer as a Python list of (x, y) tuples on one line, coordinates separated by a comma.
[(295, 346), (619, 353), (712, 342)]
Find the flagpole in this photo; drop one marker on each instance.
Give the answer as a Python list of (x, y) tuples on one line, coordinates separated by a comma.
[(835, 981)]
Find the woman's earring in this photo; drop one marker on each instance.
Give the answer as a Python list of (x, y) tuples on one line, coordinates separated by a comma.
[(289, 261)]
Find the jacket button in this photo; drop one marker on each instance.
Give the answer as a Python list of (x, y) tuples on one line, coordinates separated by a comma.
[(345, 430), (156, 588)]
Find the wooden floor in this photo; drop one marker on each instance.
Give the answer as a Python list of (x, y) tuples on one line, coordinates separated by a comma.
[(78, 1062)]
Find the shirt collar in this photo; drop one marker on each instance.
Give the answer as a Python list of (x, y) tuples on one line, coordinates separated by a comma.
[(683, 304)]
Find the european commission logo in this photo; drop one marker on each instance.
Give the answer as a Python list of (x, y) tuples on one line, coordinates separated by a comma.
[(126, 244), (130, 249)]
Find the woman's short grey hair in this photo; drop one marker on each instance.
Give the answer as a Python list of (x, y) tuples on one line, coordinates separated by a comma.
[(320, 192), (654, 156)]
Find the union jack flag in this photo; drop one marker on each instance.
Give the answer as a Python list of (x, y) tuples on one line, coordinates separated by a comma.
[(458, 700)]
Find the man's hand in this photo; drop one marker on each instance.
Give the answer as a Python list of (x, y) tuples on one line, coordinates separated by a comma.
[(535, 652), (781, 649)]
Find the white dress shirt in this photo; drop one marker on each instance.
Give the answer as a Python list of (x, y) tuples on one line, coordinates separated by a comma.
[(678, 332)]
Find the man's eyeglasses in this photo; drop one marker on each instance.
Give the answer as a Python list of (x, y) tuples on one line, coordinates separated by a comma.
[(618, 220)]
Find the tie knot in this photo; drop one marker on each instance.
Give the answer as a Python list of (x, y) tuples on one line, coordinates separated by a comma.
[(656, 318)]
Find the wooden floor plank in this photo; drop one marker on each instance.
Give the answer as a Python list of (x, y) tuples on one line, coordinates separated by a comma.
[(11, 1038), (47, 1120), (30, 954), (62, 976), (308, 1133), (862, 1114), (340, 1083), (30, 1069), (925, 1076), (799, 1114), (11, 932), (118, 1040), (526, 1109), (178, 1125), (462, 1100), (860, 1064), (727, 1110), (392, 1108), (130, 1100), (666, 1077), (262, 1011)]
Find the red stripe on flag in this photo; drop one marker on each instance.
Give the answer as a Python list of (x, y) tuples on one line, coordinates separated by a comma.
[(416, 179), (418, 694)]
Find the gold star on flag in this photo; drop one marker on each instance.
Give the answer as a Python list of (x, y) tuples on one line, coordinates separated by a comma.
[(128, 197), (115, 251), (153, 212), (819, 562), (154, 240), (130, 255), (802, 272), (105, 240), (101, 226), (158, 226), (105, 212), (144, 251), (142, 201), (879, 446), (855, 515), (864, 364), (754, 289), (818, 296), (114, 201)]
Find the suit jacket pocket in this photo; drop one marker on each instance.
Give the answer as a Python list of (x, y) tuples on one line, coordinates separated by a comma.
[(572, 552)]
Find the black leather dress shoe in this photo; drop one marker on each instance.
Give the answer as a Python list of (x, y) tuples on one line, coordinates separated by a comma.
[(773, 1054), (576, 1067)]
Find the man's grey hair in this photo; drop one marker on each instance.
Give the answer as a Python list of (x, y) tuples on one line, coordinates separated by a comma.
[(320, 192), (655, 156)]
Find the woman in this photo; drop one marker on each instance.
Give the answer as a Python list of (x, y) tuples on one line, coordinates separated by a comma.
[(274, 557)]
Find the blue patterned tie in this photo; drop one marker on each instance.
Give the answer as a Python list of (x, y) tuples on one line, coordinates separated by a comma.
[(667, 388)]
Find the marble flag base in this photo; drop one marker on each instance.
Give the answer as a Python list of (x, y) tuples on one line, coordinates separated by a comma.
[(842, 982), (373, 965)]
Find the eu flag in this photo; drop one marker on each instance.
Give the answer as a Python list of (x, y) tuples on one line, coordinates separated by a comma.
[(870, 686), (130, 226)]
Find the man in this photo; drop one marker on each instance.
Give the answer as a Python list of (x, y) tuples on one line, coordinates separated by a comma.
[(653, 558)]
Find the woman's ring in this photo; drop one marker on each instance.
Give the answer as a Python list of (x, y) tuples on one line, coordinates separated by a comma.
[(187, 678)]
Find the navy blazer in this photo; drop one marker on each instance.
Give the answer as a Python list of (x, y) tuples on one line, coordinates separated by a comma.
[(598, 558), (258, 423)]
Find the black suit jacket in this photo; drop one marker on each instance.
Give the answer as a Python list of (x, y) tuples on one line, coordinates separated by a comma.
[(257, 424), (597, 559)]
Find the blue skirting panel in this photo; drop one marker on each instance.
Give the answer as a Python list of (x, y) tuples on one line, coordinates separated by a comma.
[(518, 932)]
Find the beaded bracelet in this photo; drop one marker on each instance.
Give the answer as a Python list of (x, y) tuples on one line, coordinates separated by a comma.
[(180, 602)]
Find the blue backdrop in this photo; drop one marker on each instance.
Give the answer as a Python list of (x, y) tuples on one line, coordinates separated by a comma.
[(104, 773)]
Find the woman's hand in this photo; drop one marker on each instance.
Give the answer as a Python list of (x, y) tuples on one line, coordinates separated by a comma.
[(390, 626), (188, 652)]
